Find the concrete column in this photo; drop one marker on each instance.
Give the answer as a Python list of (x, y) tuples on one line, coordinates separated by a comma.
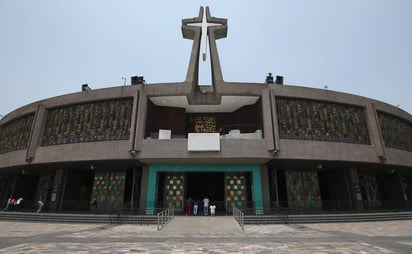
[(136, 139), (140, 119), (267, 119), (354, 189), (57, 191), (265, 186), (144, 186), (375, 133), (274, 119), (37, 132), (257, 190)]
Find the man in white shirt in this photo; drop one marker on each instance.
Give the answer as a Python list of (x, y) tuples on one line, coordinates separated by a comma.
[(206, 202)]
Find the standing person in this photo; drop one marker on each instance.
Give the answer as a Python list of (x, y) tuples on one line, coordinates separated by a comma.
[(212, 210), (19, 204), (206, 202), (195, 206), (40, 205), (8, 204), (93, 206), (189, 206)]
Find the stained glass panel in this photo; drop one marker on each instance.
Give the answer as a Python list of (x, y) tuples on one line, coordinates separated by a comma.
[(89, 122), (303, 189), (16, 134), (323, 121), (396, 132), (236, 190), (174, 190)]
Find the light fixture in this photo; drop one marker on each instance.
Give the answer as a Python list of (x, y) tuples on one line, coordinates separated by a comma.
[(132, 152), (92, 167)]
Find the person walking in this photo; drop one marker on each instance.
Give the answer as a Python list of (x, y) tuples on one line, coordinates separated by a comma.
[(189, 206), (93, 206), (195, 206), (206, 202)]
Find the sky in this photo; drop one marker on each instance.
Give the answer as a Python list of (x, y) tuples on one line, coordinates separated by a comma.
[(50, 48)]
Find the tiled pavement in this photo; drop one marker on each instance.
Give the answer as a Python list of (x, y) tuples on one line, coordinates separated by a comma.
[(207, 235)]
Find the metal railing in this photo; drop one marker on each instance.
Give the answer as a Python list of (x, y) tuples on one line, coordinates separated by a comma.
[(239, 217), (164, 217)]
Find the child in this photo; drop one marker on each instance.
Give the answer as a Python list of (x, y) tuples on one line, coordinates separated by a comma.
[(212, 210)]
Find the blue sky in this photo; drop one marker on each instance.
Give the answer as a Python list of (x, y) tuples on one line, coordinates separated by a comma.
[(49, 48)]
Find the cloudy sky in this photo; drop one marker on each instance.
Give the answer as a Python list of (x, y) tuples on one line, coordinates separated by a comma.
[(50, 48)]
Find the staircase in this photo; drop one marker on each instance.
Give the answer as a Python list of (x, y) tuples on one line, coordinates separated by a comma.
[(248, 219), (325, 218), (79, 218)]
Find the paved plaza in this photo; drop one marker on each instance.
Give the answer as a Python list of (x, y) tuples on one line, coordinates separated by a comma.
[(206, 235)]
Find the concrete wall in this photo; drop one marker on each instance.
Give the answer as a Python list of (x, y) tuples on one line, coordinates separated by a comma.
[(261, 151)]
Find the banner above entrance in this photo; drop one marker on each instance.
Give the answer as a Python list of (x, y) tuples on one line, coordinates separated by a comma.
[(201, 142)]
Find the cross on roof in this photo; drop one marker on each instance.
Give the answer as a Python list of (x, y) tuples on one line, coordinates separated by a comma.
[(204, 24)]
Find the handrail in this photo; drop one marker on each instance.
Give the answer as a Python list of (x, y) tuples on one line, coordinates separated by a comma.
[(164, 217), (239, 217)]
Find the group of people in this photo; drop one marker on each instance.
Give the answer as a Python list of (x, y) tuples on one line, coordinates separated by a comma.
[(194, 204), (17, 205), (13, 204)]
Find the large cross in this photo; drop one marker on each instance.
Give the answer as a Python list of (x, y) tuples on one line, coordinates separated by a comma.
[(204, 24), (200, 29)]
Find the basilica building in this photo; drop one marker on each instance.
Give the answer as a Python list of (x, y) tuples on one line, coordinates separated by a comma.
[(260, 147)]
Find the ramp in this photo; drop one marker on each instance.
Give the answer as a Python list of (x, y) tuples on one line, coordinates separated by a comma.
[(204, 224)]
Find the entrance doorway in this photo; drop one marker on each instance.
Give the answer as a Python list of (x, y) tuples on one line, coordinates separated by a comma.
[(235, 185), (212, 184)]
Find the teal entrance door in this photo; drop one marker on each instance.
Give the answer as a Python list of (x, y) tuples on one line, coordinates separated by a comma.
[(234, 182)]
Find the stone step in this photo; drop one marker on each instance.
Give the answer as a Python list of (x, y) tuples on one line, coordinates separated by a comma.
[(78, 218), (198, 221), (202, 224), (326, 218)]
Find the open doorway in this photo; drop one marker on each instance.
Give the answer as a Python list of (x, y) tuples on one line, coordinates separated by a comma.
[(212, 184)]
